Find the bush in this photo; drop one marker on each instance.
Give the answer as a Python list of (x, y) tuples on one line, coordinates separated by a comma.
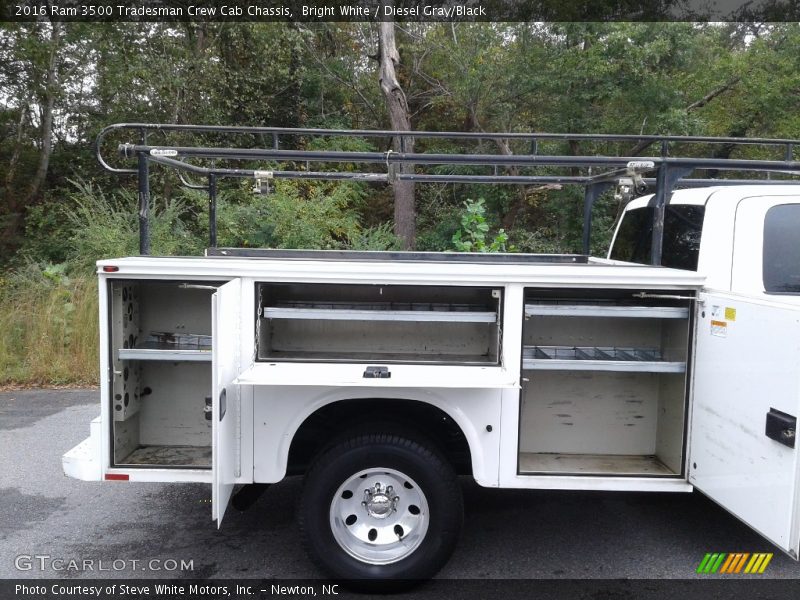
[(108, 227), (380, 237), (474, 229)]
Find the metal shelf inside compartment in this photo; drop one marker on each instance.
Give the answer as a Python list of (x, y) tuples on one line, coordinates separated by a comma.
[(170, 346), (606, 358), (379, 357), (575, 309), (160, 352), (382, 311)]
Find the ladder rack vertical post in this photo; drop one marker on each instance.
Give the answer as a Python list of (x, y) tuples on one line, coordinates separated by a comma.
[(662, 195), (659, 209), (144, 199), (212, 210), (590, 195)]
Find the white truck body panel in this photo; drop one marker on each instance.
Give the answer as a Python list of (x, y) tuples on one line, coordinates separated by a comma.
[(279, 412), (226, 413), (83, 461), (737, 371), (751, 364), (597, 273)]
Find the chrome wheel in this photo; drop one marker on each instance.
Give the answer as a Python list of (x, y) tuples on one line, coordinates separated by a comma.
[(379, 516)]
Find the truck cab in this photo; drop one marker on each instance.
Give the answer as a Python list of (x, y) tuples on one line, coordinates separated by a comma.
[(742, 238)]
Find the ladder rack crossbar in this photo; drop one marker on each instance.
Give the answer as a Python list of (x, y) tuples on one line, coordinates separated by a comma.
[(596, 172)]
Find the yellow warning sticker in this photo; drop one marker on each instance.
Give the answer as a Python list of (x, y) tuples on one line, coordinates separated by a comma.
[(730, 313), (719, 328)]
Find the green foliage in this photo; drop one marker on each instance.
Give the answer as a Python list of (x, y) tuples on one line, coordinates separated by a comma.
[(582, 77), (295, 214), (106, 226), (379, 237), (474, 229)]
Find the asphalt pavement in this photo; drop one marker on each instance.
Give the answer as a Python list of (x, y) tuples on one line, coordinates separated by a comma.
[(508, 534)]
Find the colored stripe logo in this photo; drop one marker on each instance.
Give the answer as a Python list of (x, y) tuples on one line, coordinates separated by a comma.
[(734, 563)]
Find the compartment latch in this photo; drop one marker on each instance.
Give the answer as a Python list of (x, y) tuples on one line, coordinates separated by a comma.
[(377, 373)]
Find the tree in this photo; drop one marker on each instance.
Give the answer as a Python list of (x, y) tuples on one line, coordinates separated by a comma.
[(43, 64), (397, 106)]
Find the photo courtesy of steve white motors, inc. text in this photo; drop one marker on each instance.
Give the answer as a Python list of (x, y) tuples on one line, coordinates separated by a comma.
[(171, 590)]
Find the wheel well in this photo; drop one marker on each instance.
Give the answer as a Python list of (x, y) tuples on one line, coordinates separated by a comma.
[(329, 422)]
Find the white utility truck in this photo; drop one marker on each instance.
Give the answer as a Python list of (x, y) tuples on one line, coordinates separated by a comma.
[(383, 376)]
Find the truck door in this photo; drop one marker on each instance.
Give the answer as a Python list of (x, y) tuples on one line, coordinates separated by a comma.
[(225, 403), (766, 258), (746, 398)]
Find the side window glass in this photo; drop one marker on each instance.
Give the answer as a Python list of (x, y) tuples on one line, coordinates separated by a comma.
[(781, 256), (634, 238), (683, 226)]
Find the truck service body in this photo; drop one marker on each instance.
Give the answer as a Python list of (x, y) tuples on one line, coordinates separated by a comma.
[(381, 376)]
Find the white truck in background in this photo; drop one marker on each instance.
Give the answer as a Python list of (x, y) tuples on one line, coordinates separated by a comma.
[(381, 377)]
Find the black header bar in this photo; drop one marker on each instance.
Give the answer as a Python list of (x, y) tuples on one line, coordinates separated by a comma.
[(310, 11)]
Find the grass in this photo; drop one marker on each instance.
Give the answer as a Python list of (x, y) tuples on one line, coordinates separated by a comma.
[(49, 330)]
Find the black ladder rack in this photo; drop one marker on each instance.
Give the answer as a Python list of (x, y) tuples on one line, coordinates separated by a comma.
[(597, 174)]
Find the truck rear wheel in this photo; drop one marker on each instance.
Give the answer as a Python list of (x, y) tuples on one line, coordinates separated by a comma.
[(381, 510)]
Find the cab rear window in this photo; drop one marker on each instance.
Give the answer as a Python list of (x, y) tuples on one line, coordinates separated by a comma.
[(781, 256), (683, 225)]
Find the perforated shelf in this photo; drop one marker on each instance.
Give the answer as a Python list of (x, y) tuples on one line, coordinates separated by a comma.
[(597, 358)]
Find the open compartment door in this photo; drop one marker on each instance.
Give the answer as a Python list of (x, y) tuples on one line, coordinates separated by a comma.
[(743, 453), (225, 399)]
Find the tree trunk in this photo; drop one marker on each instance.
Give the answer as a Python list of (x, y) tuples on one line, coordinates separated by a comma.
[(12, 164), (51, 89), (397, 105)]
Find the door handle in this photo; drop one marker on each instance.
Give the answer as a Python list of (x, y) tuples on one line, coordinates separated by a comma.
[(781, 427), (223, 403)]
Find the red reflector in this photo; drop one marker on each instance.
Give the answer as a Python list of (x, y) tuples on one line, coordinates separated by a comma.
[(117, 477), (110, 269)]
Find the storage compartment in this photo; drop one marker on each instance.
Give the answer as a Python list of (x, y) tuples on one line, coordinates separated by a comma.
[(378, 323), (161, 377), (604, 389)]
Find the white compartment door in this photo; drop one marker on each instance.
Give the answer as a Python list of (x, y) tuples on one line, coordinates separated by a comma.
[(225, 403), (746, 397)]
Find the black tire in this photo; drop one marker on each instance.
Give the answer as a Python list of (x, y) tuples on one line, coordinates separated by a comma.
[(396, 453)]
